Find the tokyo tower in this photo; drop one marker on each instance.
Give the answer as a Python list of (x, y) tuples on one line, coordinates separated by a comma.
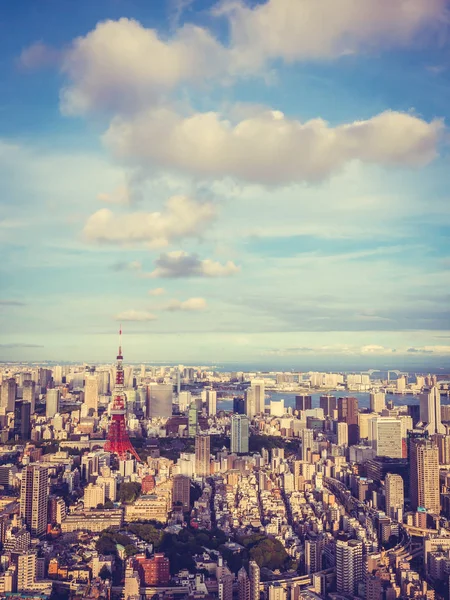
[(118, 441)]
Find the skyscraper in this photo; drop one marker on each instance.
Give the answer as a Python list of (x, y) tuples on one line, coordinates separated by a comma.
[(348, 413), (34, 497), (394, 496), (239, 406), (258, 387), (385, 435), (202, 455), (255, 576), (26, 570), (313, 553), (192, 420), (22, 423), (307, 437), (52, 403), (349, 565), (303, 402), (430, 411), (243, 585), (342, 434), (328, 405), (424, 475), (239, 434), (29, 393), (211, 402), (160, 400), (184, 400), (91, 392), (377, 402), (8, 394), (181, 490)]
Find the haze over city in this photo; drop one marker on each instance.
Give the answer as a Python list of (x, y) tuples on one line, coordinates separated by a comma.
[(253, 182)]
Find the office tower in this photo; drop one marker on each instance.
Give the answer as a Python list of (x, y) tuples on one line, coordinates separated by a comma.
[(394, 496), (348, 413), (160, 401), (363, 424), (103, 382), (349, 565), (239, 406), (424, 475), (211, 402), (57, 374), (313, 553), (342, 434), (250, 408), (239, 434), (254, 576), (385, 436), (414, 413), (93, 496), (243, 585), (109, 483), (303, 402), (192, 420), (202, 455), (29, 393), (377, 402), (52, 403), (307, 437), (443, 443), (277, 592), (33, 498), (259, 393), (22, 420), (430, 411), (328, 405), (181, 491), (8, 394), (26, 570), (91, 392), (184, 400), (117, 441)]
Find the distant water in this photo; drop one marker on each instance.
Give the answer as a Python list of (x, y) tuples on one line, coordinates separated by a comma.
[(363, 399)]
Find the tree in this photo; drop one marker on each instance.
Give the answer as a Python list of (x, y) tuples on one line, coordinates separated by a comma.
[(129, 491), (108, 504), (100, 506), (105, 573)]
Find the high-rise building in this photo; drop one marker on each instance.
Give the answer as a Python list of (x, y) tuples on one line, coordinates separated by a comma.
[(52, 403), (348, 413), (424, 475), (254, 574), (395, 497), (202, 455), (211, 402), (34, 497), (26, 570), (93, 496), (303, 402), (243, 585), (342, 434), (328, 405), (181, 491), (29, 393), (160, 401), (313, 553), (385, 436), (22, 420), (307, 437), (184, 400), (225, 585), (8, 394), (239, 434), (374, 587), (192, 420), (349, 565), (430, 411), (377, 401), (91, 392), (277, 592), (259, 392), (443, 443)]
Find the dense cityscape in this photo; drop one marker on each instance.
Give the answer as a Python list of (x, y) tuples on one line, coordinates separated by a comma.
[(181, 482)]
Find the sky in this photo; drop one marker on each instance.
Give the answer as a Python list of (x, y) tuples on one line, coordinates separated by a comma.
[(233, 181)]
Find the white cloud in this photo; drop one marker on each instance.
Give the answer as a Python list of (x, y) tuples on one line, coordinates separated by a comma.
[(269, 147), (181, 218), (179, 264), (157, 292), (122, 66), (38, 56), (120, 195), (192, 304), (135, 315), (296, 30), (439, 350)]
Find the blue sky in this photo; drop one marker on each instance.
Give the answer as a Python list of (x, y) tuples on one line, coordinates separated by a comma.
[(264, 182)]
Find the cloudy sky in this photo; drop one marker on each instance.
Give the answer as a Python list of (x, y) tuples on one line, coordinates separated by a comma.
[(233, 181)]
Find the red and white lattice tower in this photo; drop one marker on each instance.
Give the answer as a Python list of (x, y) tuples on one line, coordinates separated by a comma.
[(118, 441)]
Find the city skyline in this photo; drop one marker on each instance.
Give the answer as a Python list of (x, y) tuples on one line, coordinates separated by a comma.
[(228, 196)]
